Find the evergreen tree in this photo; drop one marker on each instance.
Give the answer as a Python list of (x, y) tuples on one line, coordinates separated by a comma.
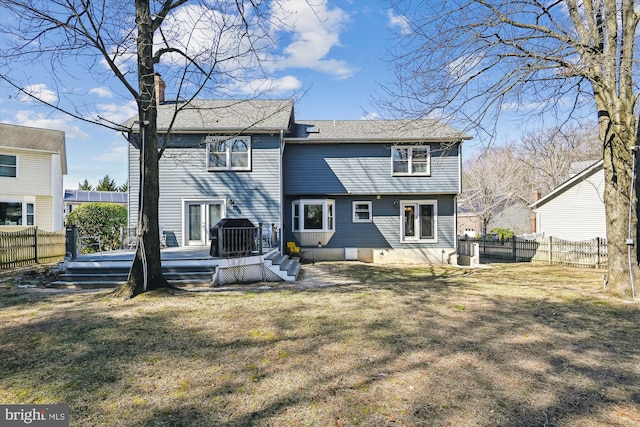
[(85, 185), (107, 184)]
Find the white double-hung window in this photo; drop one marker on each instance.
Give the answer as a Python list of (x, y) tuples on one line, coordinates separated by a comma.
[(362, 211), (419, 221), (411, 160), (313, 215), (8, 165), (228, 153)]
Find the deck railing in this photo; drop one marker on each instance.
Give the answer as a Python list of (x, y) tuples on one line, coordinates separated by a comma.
[(30, 246)]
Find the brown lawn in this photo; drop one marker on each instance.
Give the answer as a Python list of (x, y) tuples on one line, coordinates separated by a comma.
[(512, 345)]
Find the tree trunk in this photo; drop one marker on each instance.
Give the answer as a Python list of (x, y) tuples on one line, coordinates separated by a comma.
[(146, 273), (621, 210)]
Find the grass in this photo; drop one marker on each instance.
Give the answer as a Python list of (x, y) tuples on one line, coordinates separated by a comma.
[(513, 345)]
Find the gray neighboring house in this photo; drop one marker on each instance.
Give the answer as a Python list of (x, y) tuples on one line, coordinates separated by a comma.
[(575, 209), (373, 190), (75, 198)]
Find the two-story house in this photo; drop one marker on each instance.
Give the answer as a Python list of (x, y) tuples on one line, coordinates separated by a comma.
[(32, 164), (373, 190)]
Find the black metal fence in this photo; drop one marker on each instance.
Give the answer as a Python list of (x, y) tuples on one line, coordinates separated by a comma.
[(551, 250)]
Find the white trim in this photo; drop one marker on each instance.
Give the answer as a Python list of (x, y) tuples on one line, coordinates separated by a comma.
[(210, 140), (17, 165), (416, 221), (410, 171), (185, 217), (354, 217), (24, 202), (327, 204)]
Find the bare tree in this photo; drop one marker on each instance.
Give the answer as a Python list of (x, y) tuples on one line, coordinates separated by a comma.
[(474, 59), (491, 183), (199, 45), (546, 156)]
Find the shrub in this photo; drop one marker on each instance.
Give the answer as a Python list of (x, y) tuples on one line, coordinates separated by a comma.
[(100, 219), (503, 233)]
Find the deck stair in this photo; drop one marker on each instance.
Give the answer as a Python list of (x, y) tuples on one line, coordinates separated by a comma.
[(181, 271), (109, 274), (284, 266)]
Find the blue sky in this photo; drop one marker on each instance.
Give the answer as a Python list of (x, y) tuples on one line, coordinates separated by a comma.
[(336, 55)]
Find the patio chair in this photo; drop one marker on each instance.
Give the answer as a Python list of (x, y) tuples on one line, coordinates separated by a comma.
[(294, 250)]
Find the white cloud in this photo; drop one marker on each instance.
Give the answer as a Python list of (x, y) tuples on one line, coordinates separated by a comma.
[(39, 91), (115, 152), (117, 113), (315, 29), (283, 85), (102, 92), (39, 120), (400, 21), (370, 116), (204, 33), (525, 106), (462, 67)]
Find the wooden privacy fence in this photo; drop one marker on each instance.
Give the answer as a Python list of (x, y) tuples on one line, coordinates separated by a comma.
[(551, 250), (586, 253), (30, 246)]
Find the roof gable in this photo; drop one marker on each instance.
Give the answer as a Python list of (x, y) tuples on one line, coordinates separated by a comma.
[(271, 115), (34, 139), (579, 177)]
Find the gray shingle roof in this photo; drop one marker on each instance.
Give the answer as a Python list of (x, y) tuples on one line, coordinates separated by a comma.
[(224, 115), (373, 130), (34, 139)]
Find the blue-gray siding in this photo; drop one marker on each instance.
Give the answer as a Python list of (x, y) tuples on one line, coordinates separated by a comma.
[(384, 231), (316, 169), (183, 175)]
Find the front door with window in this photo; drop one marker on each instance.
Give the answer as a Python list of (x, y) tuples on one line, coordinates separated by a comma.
[(199, 217)]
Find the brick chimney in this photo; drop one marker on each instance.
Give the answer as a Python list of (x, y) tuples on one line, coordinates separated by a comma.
[(159, 87), (535, 196)]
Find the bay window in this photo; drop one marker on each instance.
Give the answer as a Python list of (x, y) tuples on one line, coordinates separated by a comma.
[(311, 215)]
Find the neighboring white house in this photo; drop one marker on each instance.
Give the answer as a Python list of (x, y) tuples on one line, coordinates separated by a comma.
[(575, 209), (32, 164)]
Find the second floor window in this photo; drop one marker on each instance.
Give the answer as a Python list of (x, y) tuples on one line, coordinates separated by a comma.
[(8, 165), (228, 153), (411, 160)]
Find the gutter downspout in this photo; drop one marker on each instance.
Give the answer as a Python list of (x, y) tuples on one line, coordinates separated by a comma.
[(281, 190)]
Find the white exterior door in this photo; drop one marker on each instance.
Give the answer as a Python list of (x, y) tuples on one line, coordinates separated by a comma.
[(199, 216)]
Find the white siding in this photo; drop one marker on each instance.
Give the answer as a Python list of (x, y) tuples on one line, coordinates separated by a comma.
[(34, 175), (39, 181), (577, 213), (57, 193), (44, 214)]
